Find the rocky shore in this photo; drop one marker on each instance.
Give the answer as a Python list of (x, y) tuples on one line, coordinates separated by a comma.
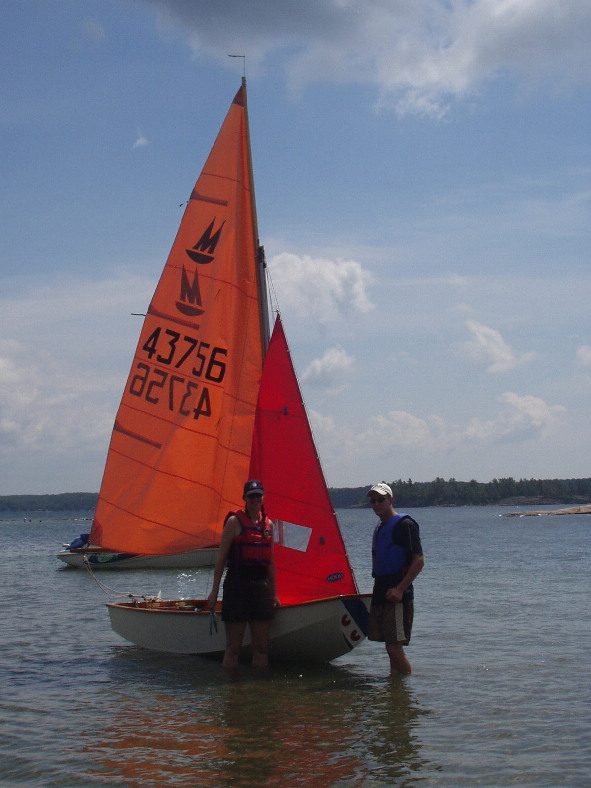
[(571, 510)]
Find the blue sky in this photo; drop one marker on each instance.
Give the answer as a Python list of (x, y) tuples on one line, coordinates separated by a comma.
[(423, 192)]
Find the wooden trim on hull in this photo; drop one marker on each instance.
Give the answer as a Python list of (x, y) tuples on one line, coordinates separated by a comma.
[(317, 631)]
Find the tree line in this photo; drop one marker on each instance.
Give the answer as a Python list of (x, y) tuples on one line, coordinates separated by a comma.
[(438, 492), (62, 502)]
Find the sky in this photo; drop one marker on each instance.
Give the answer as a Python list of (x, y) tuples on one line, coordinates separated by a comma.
[(423, 189)]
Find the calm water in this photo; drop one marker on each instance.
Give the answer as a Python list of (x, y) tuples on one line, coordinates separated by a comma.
[(499, 694)]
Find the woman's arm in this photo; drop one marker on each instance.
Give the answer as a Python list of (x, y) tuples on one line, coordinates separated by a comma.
[(231, 530), (272, 579)]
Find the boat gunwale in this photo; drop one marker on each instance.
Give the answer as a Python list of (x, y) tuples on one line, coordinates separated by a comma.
[(192, 606), (82, 550)]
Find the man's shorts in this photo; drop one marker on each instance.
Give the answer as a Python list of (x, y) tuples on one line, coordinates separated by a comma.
[(392, 622), (249, 600)]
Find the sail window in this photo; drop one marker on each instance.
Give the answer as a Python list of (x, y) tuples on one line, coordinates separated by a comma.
[(296, 537)]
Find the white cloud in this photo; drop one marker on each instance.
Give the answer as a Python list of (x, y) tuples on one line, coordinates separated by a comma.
[(64, 354), (140, 141), (328, 371), (522, 415), (402, 430), (46, 404), (489, 350), (583, 356), (419, 55), (321, 290), (321, 423), (83, 319), (460, 308)]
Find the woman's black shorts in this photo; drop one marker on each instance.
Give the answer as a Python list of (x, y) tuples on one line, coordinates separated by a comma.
[(247, 600)]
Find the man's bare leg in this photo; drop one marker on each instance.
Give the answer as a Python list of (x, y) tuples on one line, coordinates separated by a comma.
[(398, 660)]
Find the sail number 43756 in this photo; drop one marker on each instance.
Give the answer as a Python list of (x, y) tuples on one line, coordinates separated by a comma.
[(177, 350), (199, 359)]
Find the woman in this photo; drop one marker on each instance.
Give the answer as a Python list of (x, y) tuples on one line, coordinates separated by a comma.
[(249, 586)]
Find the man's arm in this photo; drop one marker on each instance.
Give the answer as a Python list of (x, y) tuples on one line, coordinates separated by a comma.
[(416, 567)]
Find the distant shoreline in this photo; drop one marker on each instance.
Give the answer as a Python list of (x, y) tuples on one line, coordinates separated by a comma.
[(571, 510), (60, 502), (342, 498)]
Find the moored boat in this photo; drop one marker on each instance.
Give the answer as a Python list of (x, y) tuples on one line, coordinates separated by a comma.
[(96, 558)]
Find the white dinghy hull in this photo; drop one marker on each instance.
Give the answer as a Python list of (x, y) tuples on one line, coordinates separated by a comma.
[(103, 559), (317, 631)]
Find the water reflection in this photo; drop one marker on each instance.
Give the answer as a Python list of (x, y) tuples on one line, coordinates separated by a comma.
[(183, 721)]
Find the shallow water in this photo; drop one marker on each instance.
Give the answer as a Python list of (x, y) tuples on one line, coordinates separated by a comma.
[(499, 693)]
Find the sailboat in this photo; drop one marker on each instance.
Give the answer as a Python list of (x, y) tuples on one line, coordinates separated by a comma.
[(212, 400), (80, 553), (181, 441)]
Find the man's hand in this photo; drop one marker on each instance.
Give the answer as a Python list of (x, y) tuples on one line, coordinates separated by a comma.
[(394, 594)]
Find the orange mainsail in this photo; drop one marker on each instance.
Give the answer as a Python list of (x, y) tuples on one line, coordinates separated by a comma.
[(181, 444), (310, 556)]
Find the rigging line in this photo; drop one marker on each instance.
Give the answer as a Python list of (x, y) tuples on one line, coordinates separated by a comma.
[(273, 293), (111, 591)]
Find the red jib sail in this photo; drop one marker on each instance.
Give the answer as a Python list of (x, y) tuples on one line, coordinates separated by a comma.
[(180, 448), (310, 554)]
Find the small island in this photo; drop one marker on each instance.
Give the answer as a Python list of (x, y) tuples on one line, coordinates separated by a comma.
[(571, 510)]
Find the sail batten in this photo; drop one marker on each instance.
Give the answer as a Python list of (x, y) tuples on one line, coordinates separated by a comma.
[(205, 198)]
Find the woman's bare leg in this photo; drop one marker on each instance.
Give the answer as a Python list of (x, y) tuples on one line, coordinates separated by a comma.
[(234, 637), (259, 633)]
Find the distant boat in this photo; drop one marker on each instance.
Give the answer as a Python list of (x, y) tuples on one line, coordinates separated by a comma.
[(98, 558), (211, 402)]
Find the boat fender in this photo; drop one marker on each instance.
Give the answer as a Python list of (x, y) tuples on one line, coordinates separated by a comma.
[(78, 542)]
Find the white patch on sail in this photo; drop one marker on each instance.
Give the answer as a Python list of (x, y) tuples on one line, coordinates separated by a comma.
[(296, 537)]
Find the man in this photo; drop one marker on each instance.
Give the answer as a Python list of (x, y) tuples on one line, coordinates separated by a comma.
[(397, 558)]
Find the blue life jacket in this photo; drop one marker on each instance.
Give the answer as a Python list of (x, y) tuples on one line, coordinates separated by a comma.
[(388, 558), (79, 542)]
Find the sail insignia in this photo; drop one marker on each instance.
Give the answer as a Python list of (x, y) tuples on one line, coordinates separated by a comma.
[(202, 253)]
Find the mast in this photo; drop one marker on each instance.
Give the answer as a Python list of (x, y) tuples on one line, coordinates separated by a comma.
[(259, 250)]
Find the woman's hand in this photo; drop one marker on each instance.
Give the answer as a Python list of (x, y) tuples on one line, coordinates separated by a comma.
[(211, 600)]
